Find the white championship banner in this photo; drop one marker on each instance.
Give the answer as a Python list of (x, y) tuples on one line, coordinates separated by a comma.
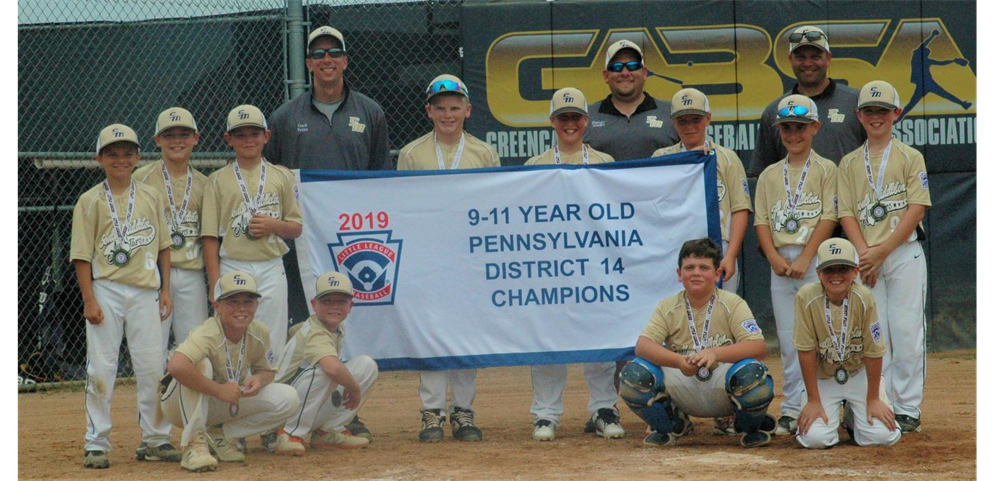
[(510, 266)]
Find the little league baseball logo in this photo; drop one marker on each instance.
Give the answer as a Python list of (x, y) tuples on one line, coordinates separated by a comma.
[(371, 261)]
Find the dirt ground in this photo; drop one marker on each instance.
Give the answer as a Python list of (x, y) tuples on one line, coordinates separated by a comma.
[(51, 427)]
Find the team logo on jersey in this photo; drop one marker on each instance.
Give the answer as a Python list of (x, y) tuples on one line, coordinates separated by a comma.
[(751, 326), (371, 260), (653, 122), (924, 180), (271, 357), (356, 125), (746, 187)]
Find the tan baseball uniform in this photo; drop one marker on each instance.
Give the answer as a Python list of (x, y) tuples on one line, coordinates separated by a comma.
[(226, 215), (817, 201), (420, 154), (900, 290), (209, 349), (309, 342), (576, 158), (129, 299), (865, 339), (188, 286), (731, 322)]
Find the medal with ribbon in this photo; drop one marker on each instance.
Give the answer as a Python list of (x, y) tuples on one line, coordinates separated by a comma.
[(792, 224), (233, 376), (704, 373), (251, 204), (120, 255), (459, 152), (177, 238), (878, 210), (584, 154), (841, 341)]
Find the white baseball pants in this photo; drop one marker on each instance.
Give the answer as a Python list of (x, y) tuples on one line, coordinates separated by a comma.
[(549, 380), (320, 407), (782, 299), (435, 384), (188, 289), (854, 392)]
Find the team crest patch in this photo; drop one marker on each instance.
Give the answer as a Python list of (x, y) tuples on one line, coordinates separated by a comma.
[(924, 180), (371, 260), (751, 326), (876, 331), (271, 357), (746, 186)]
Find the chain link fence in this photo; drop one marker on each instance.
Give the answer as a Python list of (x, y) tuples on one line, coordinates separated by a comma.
[(84, 64)]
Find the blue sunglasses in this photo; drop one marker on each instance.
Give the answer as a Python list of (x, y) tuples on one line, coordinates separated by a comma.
[(447, 86), (630, 66), (793, 110)]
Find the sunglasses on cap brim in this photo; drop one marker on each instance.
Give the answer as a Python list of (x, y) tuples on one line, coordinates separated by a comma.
[(793, 111), (319, 53), (811, 36), (447, 85), (631, 66)]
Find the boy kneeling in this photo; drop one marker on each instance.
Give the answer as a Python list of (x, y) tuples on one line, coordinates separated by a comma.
[(840, 347), (700, 355), (223, 374)]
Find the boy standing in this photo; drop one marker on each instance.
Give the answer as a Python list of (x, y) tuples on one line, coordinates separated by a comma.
[(331, 391), (839, 344), (569, 117), (121, 254), (249, 209), (700, 355), (448, 146), (795, 212), (884, 193), (222, 375), (181, 188)]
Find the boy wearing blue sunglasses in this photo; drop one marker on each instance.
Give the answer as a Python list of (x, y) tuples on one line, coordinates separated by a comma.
[(796, 209)]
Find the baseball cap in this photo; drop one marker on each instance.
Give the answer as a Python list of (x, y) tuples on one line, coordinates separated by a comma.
[(323, 32), (175, 117), (246, 116), (836, 251), (446, 83), (568, 100), (620, 45), (115, 133), (689, 102), (233, 283), (808, 35), (878, 93), (796, 108), (330, 282)]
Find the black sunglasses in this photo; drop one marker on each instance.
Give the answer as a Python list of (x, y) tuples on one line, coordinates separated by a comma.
[(811, 36), (631, 66), (319, 53)]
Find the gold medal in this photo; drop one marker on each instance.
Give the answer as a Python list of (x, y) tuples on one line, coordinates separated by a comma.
[(842, 376), (879, 212), (791, 225), (120, 257), (178, 240), (704, 373)]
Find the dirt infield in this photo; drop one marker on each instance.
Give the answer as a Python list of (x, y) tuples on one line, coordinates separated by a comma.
[(51, 426)]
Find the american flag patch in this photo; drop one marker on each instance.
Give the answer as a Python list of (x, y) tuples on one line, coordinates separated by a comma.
[(751, 326), (876, 331), (746, 187), (924, 180)]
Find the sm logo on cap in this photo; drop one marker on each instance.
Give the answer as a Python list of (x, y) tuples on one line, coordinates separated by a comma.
[(875, 92), (238, 280), (117, 132), (568, 99), (834, 250), (332, 282), (686, 100), (242, 115), (175, 117)]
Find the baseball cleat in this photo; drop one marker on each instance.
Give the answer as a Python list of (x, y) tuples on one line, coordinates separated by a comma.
[(544, 430), (908, 423), (166, 452), (786, 425), (288, 445), (659, 439), (431, 426), (606, 424), (95, 460), (357, 428), (755, 439), (682, 424), (463, 427), (331, 439), (227, 451), (725, 426), (197, 455)]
